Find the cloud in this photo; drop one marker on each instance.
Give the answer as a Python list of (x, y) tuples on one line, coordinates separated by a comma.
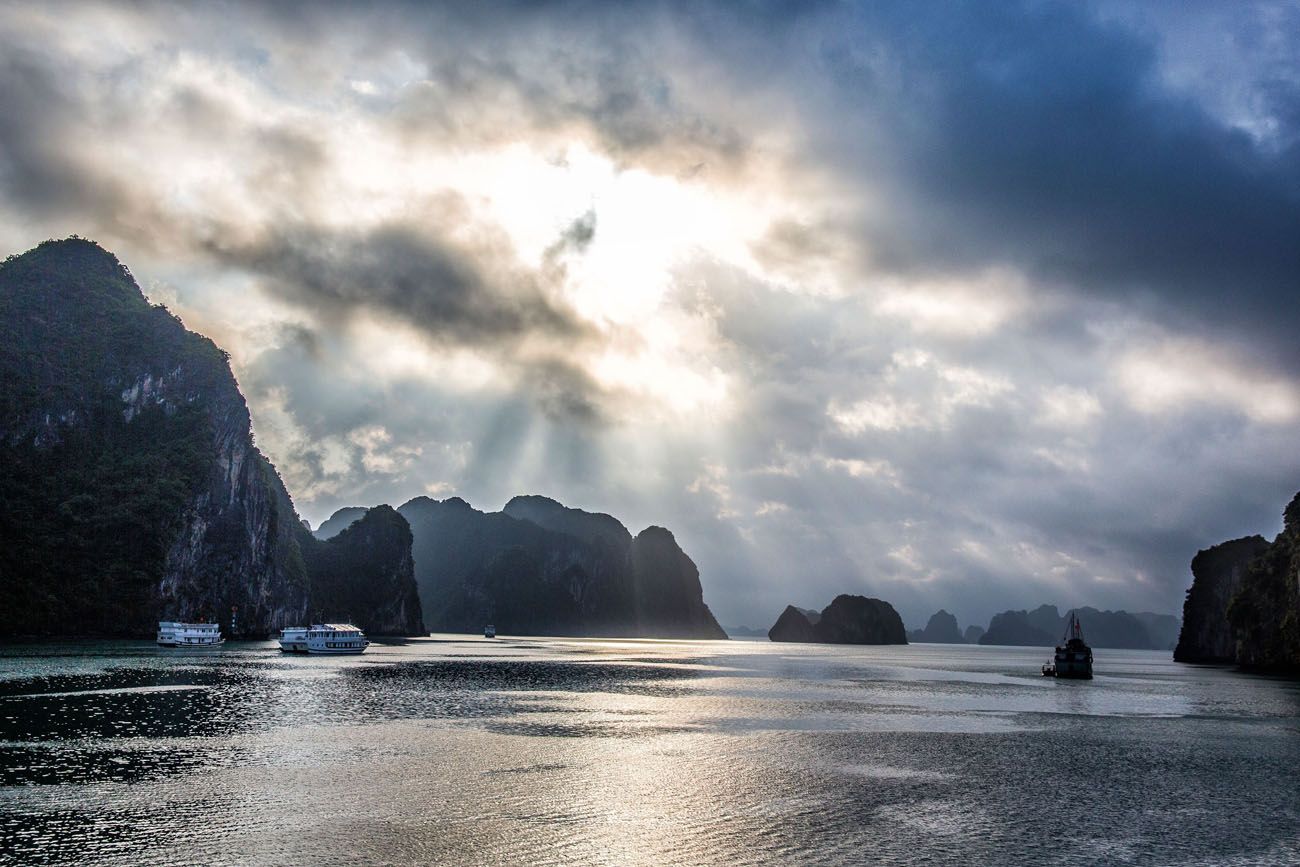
[(969, 306), (463, 293), (1174, 375), (1039, 136)]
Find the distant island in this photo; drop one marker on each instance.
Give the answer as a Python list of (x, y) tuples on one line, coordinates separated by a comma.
[(940, 629), (1244, 603), (1044, 625), (745, 631), (1041, 627), (538, 567), (847, 620)]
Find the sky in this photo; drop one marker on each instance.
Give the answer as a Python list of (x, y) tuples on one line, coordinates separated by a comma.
[(963, 305)]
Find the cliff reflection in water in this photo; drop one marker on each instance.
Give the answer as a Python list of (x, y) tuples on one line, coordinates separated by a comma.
[(639, 752)]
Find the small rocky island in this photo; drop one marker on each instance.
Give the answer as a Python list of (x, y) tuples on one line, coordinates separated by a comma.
[(847, 620)]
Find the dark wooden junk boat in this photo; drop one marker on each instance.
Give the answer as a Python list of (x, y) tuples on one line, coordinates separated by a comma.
[(1073, 655)]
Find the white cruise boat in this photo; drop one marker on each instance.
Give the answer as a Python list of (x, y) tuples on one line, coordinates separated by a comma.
[(336, 638), (175, 634), (293, 639)]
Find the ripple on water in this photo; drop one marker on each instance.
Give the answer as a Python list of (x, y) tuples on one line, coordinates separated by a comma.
[(559, 752)]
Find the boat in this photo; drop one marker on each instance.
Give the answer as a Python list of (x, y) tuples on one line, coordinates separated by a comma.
[(489, 631), (1073, 655), (336, 638), (173, 633), (293, 639)]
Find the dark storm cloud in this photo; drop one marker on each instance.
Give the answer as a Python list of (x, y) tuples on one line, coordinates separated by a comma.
[(1037, 134), (467, 295), (41, 171), (444, 290), (33, 170)]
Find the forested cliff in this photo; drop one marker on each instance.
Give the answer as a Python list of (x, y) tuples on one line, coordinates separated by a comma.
[(132, 490)]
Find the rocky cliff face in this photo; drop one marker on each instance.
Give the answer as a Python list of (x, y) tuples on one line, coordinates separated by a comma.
[(847, 620), (539, 568), (133, 489), (1216, 576), (1244, 602), (365, 575), (794, 624), (666, 592), (1265, 613)]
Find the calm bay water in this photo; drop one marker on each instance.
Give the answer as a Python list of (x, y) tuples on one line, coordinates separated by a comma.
[(460, 750)]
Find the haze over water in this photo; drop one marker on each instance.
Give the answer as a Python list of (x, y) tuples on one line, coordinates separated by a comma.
[(465, 751)]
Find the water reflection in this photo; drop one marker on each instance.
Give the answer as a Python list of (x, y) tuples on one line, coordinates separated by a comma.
[(465, 751)]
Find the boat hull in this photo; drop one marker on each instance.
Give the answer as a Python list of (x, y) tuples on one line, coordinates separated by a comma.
[(1073, 664), (182, 646)]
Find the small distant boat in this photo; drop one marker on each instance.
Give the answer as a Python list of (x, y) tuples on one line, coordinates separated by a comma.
[(489, 631), (293, 639), (173, 633), (1073, 655), (336, 638)]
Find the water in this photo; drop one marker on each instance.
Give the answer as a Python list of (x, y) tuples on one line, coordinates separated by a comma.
[(459, 750)]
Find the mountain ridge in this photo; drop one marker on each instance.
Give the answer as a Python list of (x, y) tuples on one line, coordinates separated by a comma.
[(539, 567)]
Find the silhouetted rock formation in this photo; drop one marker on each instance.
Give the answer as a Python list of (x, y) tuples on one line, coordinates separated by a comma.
[(339, 521), (1017, 629), (365, 575), (1044, 626), (1117, 629), (794, 624), (847, 620), (973, 634), (539, 568), (133, 492), (1244, 602), (1216, 577), (592, 527), (941, 629)]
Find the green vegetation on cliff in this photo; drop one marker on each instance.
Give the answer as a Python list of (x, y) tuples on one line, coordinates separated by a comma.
[(93, 489), (130, 488), (88, 520), (365, 576)]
